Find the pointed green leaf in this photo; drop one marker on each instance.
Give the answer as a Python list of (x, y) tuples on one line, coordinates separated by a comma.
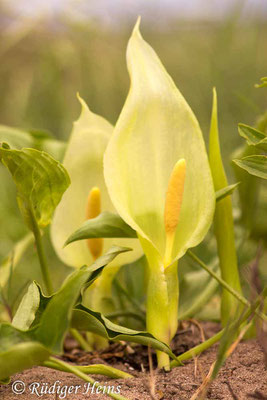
[(19, 139), (254, 165), (51, 317), (226, 191), (106, 225), (157, 128), (253, 136), (55, 320), (84, 163), (223, 220), (107, 258), (249, 189), (34, 302), (88, 320), (40, 182)]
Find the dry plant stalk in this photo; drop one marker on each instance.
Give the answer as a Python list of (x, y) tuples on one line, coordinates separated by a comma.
[(152, 377)]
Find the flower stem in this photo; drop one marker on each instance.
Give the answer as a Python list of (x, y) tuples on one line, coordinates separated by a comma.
[(41, 255), (171, 274), (157, 317), (80, 339), (162, 307)]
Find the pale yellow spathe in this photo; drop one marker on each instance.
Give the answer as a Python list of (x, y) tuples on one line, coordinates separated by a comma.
[(84, 163), (157, 128)]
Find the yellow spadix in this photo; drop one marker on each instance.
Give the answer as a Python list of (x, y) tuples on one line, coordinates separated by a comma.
[(173, 203), (93, 209)]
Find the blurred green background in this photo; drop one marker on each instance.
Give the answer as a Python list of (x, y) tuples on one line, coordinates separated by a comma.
[(47, 57)]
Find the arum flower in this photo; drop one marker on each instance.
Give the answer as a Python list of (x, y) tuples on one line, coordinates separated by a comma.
[(158, 177), (85, 198)]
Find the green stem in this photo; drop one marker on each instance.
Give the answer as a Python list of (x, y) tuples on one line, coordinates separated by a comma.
[(214, 339), (82, 375), (171, 274), (41, 255), (80, 339), (162, 307), (232, 291), (162, 300), (95, 369), (157, 316)]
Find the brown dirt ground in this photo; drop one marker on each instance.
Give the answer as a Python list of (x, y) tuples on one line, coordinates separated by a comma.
[(244, 375)]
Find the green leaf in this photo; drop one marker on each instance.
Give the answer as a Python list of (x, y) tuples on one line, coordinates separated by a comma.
[(49, 318), (18, 351), (34, 303), (263, 84), (18, 139), (106, 225), (102, 261), (226, 191), (88, 320), (254, 165), (40, 181), (253, 136), (223, 220), (107, 258), (249, 189), (55, 320)]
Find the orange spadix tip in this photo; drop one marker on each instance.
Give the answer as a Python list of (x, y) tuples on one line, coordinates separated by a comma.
[(174, 196)]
